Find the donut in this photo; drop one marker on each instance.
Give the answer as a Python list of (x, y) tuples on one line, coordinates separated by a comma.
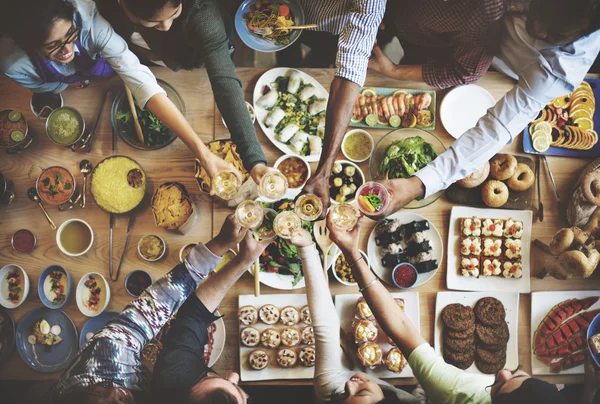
[(494, 193), (522, 179), (503, 166), (476, 178), (591, 187)]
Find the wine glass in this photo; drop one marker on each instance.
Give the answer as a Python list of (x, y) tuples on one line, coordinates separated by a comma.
[(287, 224), (344, 216), (226, 185), (373, 198), (249, 214), (273, 185), (265, 231), (309, 207)]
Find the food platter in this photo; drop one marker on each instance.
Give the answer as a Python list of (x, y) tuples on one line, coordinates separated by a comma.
[(511, 305), (266, 80), (346, 307), (433, 235), (487, 283), (462, 107)]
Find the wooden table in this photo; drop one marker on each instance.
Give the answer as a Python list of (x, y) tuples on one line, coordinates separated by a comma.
[(176, 163)]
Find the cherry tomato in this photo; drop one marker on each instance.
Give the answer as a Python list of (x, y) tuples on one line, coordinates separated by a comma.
[(284, 10)]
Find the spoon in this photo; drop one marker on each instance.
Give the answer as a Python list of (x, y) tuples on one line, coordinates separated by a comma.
[(85, 167), (33, 195)]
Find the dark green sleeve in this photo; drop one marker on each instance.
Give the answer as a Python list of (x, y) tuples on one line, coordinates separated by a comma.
[(209, 25)]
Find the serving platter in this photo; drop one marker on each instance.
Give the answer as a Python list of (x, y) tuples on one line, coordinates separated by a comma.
[(511, 305), (487, 283), (346, 309)]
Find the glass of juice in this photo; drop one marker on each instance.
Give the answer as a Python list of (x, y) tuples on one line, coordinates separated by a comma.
[(373, 198)]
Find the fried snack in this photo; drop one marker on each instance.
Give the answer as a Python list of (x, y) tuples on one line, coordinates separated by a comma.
[(226, 150), (171, 206), (370, 354)]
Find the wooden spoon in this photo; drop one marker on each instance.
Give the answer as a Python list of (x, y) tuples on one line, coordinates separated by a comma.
[(136, 122), (321, 233)]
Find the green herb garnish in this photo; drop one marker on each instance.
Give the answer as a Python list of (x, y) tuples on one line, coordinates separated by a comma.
[(58, 177), (46, 181), (52, 190), (68, 185), (375, 201)]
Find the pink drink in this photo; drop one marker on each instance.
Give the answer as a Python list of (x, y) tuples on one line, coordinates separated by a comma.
[(373, 198)]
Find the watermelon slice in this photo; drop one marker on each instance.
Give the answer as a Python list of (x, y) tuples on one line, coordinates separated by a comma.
[(573, 326), (581, 321), (564, 350), (551, 343), (577, 307), (555, 319), (551, 324), (566, 331), (542, 350), (562, 314), (589, 301), (553, 353), (544, 330), (545, 359), (556, 366), (538, 340), (558, 338)]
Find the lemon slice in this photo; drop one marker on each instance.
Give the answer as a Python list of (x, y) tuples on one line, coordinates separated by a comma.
[(14, 116), (17, 135), (371, 120), (399, 92), (584, 123), (543, 127), (368, 92), (539, 133), (580, 113), (395, 121), (541, 144)]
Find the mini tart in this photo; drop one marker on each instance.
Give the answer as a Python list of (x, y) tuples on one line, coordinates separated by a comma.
[(305, 315), (364, 331), (491, 267), (370, 354), (512, 248), (289, 316), (270, 338), (492, 227), (470, 246), (492, 247), (363, 311), (250, 336), (513, 228), (258, 359), (248, 315), (286, 357), (400, 302), (290, 337), (308, 356), (308, 335), (469, 267), (269, 314), (512, 269), (395, 361), (470, 227)]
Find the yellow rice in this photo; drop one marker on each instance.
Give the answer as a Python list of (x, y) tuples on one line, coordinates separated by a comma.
[(110, 188)]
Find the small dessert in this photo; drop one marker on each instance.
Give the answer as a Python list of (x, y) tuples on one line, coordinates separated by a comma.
[(469, 267), (363, 311), (248, 315), (471, 227), (250, 336), (305, 315), (290, 337), (270, 338), (492, 247), (286, 357), (269, 314), (471, 246), (364, 331), (308, 335), (258, 359), (395, 361), (370, 354), (512, 269), (512, 248), (491, 267), (513, 228), (492, 227), (308, 356), (289, 316), (595, 344)]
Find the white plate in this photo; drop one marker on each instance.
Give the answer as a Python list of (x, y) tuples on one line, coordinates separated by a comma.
[(218, 341), (4, 286), (265, 80), (273, 371), (541, 303), (346, 310), (511, 304), (462, 107), (433, 235), (82, 294), (487, 283)]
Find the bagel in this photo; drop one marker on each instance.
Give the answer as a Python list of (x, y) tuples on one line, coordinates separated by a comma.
[(503, 166), (522, 179), (476, 178), (593, 224), (575, 263), (591, 187), (561, 241), (494, 193)]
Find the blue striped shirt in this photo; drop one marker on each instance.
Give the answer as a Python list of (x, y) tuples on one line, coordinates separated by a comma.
[(356, 22)]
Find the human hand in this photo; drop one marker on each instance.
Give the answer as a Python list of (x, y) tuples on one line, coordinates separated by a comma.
[(302, 238), (320, 187), (402, 192), (259, 170), (214, 165), (251, 249), (346, 240), (229, 236), (380, 62)]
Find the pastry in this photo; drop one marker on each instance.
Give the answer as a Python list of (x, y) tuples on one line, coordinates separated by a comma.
[(364, 331), (258, 359), (459, 345), (308, 335), (305, 315), (250, 336), (512, 269), (494, 193), (363, 311), (395, 361), (476, 178), (458, 317), (469, 267), (470, 227), (494, 335), (522, 179), (370, 354), (492, 247), (308, 356), (289, 316), (269, 314), (270, 338), (460, 360), (290, 337), (562, 241), (512, 248), (492, 227), (503, 166), (286, 357), (491, 267), (489, 311), (490, 362), (460, 334), (471, 246), (248, 315), (513, 228)]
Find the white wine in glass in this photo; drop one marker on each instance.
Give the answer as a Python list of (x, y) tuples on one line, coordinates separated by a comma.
[(273, 186), (249, 214), (344, 216), (287, 224), (226, 185), (265, 231), (309, 207)]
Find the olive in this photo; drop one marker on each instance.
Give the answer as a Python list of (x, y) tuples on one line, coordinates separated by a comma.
[(584, 99), (567, 99)]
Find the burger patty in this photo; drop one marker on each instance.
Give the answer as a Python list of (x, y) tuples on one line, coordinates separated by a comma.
[(460, 360), (497, 335), (461, 334), (491, 357), (488, 368), (459, 345), (458, 317), (489, 311)]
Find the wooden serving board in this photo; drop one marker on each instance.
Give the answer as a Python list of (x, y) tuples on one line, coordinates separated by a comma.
[(472, 196)]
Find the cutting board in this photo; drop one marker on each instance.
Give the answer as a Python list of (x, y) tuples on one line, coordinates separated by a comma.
[(472, 197)]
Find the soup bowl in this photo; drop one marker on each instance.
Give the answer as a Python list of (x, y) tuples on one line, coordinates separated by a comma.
[(54, 294), (65, 126), (55, 185), (61, 243)]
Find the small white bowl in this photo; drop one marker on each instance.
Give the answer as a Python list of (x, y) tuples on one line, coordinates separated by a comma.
[(362, 176), (4, 286), (335, 272), (372, 142), (59, 231), (250, 111), (164, 250), (288, 156), (82, 294)]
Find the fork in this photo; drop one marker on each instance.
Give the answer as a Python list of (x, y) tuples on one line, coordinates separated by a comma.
[(321, 233)]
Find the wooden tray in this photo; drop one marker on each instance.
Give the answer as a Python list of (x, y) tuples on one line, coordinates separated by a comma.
[(472, 196)]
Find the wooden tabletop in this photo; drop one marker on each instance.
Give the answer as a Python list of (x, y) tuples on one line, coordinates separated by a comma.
[(176, 163)]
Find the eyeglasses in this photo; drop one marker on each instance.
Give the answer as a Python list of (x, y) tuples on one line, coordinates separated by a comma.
[(72, 36), (242, 392)]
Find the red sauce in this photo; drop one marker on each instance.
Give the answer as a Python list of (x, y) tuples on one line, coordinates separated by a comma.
[(23, 241), (138, 282), (405, 275)]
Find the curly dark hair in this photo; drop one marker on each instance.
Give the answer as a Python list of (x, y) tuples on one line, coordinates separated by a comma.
[(146, 9)]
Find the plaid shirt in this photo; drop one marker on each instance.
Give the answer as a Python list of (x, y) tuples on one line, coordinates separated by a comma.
[(470, 29)]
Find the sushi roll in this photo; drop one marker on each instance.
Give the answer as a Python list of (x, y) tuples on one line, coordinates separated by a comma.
[(307, 92), (426, 266), (414, 227), (268, 100), (420, 257), (387, 226), (315, 144), (287, 132), (417, 238), (384, 239), (274, 117), (391, 260), (298, 141), (414, 249), (317, 107), (294, 82), (394, 248)]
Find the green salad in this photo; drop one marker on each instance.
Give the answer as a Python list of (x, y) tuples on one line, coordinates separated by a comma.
[(403, 158), (155, 132)]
